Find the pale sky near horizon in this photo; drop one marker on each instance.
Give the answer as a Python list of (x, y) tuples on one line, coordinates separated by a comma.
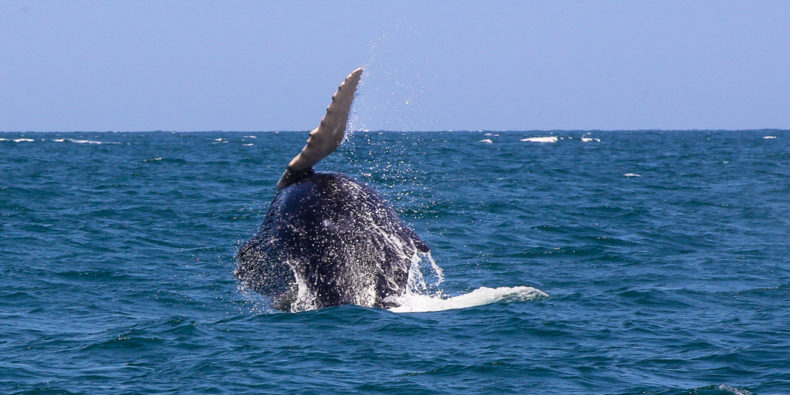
[(505, 65)]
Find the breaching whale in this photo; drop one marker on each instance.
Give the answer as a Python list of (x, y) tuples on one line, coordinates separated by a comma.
[(328, 239)]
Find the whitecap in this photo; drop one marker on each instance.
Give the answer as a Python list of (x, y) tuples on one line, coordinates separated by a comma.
[(251, 137), (84, 141), (487, 141), (546, 139), (248, 145), (2, 139), (632, 175), (487, 134), (769, 137), (23, 140), (415, 303), (589, 139), (77, 141)]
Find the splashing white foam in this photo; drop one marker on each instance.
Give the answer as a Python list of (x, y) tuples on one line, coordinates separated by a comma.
[(414, 303), (23, 140), (305, 298), (632, 175), (425, 295), (486, 141), (546, 139), (590, 139), (417, 283), (769, 137), (422, 294)]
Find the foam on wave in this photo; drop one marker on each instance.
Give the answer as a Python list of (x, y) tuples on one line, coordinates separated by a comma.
[(424, 295), (545, 139), (77, 141), (415, 303)]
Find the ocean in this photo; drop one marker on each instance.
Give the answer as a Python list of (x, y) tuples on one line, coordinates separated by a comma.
[(586, 262)]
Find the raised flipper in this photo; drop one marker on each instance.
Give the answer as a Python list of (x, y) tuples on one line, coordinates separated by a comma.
[(328, 135)]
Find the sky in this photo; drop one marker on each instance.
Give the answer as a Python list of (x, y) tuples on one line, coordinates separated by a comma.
[(439, 65)]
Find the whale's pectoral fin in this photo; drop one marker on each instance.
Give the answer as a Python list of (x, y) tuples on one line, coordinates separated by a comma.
[(328, 135)]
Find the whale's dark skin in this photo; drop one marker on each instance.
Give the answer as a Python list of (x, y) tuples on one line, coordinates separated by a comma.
[(327, 239), (339, 236)]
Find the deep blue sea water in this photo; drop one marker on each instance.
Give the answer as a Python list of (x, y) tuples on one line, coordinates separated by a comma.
[(665, 257)]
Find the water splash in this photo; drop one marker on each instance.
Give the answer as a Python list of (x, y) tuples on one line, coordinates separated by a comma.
[(305, 297), (417, 283), (414, 302), (423, 293)]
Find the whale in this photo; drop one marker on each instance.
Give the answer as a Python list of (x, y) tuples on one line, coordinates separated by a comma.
[(328, 239)]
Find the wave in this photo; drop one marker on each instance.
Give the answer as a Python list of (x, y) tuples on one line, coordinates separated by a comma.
[(19, 140), (417, 303), (77, 141), (546, 139)]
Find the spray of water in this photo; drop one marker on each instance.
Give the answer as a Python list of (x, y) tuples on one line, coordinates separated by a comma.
[(393, 95), (425, 295)]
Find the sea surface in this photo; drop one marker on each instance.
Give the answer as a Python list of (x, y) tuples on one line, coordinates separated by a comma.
[(573, 262)]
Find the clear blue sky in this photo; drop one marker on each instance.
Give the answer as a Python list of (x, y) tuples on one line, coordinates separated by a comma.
[(255, 65)]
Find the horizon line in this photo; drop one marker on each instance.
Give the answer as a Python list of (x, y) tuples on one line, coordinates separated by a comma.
[(401, 131)]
